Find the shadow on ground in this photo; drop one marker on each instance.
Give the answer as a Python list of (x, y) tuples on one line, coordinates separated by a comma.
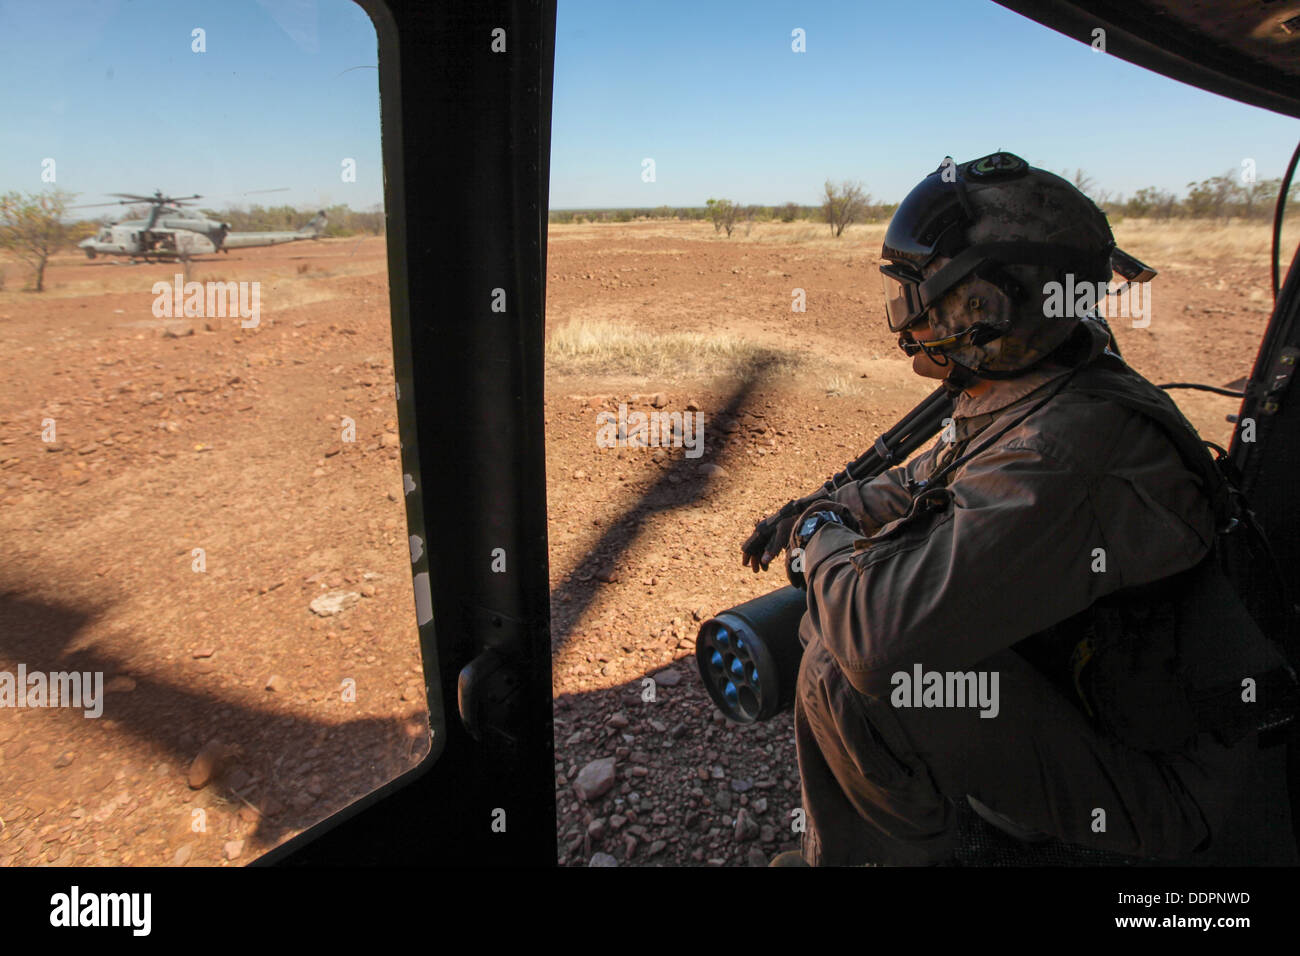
[(271, 755)]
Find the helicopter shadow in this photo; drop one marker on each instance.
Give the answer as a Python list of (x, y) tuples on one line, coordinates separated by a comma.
[(271, 754), (680, 485)]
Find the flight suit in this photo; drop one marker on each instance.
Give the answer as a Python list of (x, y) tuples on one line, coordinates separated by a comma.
[(1082, 498)]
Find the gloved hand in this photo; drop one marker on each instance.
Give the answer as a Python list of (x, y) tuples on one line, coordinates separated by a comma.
[(766, 543)]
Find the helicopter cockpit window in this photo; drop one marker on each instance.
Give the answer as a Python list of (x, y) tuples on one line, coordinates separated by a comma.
[(208, 590)]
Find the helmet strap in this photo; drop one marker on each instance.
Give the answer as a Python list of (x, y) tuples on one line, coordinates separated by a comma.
[(963, 197), (959, 378)]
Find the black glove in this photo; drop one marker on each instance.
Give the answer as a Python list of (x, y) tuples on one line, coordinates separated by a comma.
[(767, 541)]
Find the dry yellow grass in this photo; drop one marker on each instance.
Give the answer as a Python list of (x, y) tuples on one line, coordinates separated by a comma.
[(839, 386), (280, 294), (277, 293), (1198, 240), (597, 347), (1151, 240), (855, 238)]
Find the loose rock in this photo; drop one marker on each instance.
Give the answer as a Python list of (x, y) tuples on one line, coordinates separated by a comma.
[(595, 779), (335, 602), (205, 766), (746, 828)]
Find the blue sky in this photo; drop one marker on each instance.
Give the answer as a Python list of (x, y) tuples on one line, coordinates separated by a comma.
[(113, 93), (713, 93), (710, 90)]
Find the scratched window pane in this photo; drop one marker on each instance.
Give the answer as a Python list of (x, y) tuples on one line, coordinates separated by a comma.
[(207, 632)]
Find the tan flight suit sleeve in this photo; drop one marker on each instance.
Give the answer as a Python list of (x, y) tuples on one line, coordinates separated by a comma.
[(877, 501), (1012, 549)]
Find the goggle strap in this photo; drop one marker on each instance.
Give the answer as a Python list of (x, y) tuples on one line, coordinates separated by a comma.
[(922, 296)]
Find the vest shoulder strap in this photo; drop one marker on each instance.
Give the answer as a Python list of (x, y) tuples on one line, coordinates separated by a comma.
[(1109, 377)]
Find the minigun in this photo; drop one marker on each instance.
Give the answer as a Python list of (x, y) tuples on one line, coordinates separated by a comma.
[(748, 656)]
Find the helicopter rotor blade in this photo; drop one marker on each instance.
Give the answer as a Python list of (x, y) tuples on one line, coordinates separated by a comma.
[(157, 199)]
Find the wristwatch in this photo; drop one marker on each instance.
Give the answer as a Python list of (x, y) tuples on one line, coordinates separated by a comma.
[(812, 523)]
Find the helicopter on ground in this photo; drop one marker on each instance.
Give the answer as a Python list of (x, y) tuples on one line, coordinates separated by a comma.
[(171, 231)]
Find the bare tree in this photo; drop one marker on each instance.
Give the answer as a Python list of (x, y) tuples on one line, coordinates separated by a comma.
[(844, 204), (724, 214), (32, 228)]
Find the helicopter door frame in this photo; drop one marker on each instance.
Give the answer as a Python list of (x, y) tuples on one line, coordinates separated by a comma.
[(465, 229)]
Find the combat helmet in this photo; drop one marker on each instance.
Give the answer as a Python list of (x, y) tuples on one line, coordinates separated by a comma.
[(972, 249)]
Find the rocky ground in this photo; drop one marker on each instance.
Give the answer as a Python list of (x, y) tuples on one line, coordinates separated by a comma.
[(228, 725)]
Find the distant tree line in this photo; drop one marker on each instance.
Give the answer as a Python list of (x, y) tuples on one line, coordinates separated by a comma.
[(1227, 196), (720, 212)]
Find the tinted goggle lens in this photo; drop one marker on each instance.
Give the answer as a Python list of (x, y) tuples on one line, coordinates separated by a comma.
[(902, 296)]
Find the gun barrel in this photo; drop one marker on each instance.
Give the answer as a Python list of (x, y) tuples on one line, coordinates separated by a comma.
[(748, 656)]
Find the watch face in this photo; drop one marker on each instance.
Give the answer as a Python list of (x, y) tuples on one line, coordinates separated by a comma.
[(809, 526)]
